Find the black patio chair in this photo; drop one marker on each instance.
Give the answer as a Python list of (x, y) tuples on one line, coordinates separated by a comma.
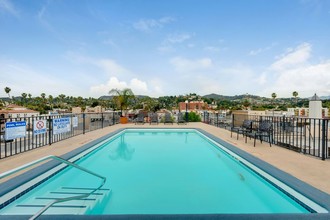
[(168, 119), (181, 120), (265, 129), (139, 119), (245, 128), (154, 118)]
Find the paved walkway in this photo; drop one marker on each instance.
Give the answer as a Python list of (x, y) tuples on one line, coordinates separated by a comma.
[(309, 169)]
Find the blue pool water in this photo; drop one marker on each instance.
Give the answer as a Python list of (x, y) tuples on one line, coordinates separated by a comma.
[(162, 172)]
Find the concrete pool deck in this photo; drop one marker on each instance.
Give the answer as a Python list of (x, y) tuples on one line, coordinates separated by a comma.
[(308, 169)]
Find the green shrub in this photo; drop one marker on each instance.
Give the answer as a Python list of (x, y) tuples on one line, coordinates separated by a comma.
[(193, 117)]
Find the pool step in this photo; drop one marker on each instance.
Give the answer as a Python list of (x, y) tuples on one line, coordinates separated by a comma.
[(77, 206)]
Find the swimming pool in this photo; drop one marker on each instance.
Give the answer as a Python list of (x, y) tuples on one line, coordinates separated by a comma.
[(164, 171)]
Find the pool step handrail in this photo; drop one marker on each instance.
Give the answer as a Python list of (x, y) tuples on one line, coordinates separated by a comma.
[(84, 195)]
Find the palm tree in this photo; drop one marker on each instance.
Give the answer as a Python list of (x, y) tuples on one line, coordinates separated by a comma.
[(122, 98), (50, 100), (24, 95), (295, 94), (61, 98), (7, 90), (274, 96)]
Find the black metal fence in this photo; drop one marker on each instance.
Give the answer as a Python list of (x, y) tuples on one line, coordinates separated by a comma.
[(78, 124), (304, 135)]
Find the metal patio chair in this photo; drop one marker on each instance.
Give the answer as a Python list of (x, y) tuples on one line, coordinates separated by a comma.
[(245, 128), (154, 118), (181, 120), (139, 119), (264, 130), (168, 119)]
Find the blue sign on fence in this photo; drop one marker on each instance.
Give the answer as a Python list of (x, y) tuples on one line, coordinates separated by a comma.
[(15, 129), (61, 125)]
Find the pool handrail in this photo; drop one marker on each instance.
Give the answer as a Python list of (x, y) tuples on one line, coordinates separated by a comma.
[(40, 212)]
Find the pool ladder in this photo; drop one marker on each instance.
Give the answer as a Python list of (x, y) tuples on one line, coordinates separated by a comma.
[(58, 200)]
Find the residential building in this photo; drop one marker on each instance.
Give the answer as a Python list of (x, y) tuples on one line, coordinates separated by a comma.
[(192, 106), (16, 111)]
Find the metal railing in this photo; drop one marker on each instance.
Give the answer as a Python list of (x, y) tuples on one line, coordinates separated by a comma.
[(59, 200), (303, 135), (80, 124)]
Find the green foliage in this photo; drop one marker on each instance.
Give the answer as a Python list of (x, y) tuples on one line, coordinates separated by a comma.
[(162, 120), (123, 98), (95, 103), (193, 117)]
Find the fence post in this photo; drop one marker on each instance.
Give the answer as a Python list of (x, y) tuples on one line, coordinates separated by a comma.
[(113, 118), (204, 116), (233, 120), (323, 138), (50, 130), (102, 119), (217, 115), (83, 123)]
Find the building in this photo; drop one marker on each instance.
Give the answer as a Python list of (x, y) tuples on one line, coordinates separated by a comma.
[(96, 109), (192, 106), (76, 110), (300, 112), (16, 111)]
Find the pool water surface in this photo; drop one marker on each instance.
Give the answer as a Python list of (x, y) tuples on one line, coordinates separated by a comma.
[(163, 172)]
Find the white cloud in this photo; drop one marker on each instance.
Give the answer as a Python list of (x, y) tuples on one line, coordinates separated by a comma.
[(294, 72), (108, 66), (7, 6), (112, 68), (185, 65), (138, 87), (177, 38), (147, 25), (293, 57)]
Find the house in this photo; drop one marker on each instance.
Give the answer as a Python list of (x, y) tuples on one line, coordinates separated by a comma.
[(192, 105), (16, 111)]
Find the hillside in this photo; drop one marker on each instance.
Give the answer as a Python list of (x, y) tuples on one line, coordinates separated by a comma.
[(222, 97)]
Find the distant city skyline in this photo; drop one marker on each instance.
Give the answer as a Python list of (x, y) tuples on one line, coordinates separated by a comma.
[(158, 48)]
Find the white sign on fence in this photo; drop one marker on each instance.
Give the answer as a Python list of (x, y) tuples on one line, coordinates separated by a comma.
[(75, 122), (39, 127), (61, 125), (15, 129)]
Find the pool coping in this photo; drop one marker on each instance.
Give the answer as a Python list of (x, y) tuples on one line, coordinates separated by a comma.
[(321, 198)]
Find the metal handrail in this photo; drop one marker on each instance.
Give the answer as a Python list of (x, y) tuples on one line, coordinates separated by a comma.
[(10, 172)]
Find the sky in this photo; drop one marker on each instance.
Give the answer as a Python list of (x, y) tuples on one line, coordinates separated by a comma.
[(165, 47)]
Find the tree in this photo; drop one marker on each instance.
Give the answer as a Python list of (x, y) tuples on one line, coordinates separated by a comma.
[(122, 98), (61, 98), (50, 100), (246, 103), (274, 96), (43, 96), (7, 90), (24, 95), (295, 94)]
